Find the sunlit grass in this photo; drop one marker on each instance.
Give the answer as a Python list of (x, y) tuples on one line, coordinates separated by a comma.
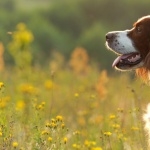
[(66, 111)]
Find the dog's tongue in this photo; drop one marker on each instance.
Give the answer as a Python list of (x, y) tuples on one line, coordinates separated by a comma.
[(124, 56), (116, 61)]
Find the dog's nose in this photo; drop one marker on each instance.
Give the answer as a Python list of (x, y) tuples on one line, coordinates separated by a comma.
[(109, 36)]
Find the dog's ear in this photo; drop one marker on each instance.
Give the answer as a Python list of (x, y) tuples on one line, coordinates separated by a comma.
[(144, 72)]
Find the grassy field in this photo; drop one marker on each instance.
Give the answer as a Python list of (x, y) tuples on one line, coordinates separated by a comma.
[(82, 108)]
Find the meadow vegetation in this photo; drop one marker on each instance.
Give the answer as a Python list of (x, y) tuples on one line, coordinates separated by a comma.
[(67, 105), (57, 88)]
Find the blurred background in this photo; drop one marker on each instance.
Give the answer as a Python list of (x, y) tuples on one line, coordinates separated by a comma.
[(57, 87), (63, 25)]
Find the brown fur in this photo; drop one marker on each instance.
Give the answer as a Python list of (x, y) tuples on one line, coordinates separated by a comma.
[(142, 43)]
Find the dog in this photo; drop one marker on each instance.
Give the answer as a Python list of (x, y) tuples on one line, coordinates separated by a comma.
[(133, 50), (132, 47)]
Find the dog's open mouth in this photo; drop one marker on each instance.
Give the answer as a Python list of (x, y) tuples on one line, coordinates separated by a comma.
[(127, 61)]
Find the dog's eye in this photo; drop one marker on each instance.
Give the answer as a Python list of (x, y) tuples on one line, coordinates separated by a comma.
[(138, 29)]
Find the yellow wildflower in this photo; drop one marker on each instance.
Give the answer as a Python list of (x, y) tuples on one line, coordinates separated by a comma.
[(53, 125), (107, 133), (28, 89), (4, 101), (50, 139), (59, 118), (39, 107), (20, 105), (65, 140), (1, 85), (44, 132), (89, 143), (116, 126), (63, 125), (76, 146), (23, 34), (97, 148), (112, 116), (53, 120), (47, 124), (76, 95), (1, 133), (43, 103), (3, 104), (15, 144)]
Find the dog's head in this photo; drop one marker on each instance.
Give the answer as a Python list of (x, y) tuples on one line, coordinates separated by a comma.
[(132, 47)]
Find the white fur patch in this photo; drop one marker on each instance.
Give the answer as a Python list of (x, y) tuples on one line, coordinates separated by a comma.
[(121, 43)]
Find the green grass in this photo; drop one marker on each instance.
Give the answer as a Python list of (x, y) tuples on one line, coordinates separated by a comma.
[(64, 110)]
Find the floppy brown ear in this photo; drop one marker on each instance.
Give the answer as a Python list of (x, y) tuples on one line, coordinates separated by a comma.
[(143, 72)]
